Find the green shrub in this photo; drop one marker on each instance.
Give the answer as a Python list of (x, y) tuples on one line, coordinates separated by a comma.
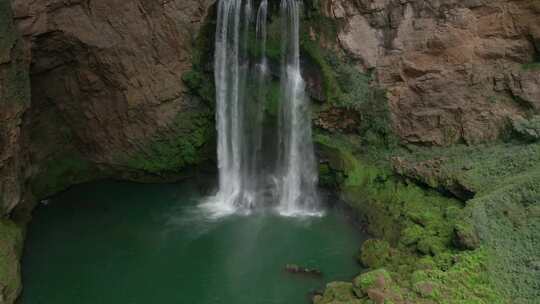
[(528, 129)]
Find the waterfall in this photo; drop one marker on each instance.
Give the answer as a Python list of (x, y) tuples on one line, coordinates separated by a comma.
[(298, 188), (242, 80), (229, 63)]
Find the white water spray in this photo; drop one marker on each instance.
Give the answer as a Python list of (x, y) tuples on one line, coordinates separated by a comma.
[(241, 88), (298, 188)]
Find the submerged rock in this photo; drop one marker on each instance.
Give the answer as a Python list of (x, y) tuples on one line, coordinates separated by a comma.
[(293, 268)]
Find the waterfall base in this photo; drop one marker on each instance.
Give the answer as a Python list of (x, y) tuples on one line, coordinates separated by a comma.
[(242, 80)]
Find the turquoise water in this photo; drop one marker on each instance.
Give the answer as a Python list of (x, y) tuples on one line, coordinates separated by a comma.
[(126, 243)]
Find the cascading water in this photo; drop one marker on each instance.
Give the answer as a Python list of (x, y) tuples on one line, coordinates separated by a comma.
[(241, 84), (230, 70), (297, 191)]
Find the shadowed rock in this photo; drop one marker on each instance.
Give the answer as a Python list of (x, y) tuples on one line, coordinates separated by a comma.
[(295, 269)]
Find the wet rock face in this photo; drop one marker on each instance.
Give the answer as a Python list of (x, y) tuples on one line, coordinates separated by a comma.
[(454, 70), (14, 101), (111, 71)]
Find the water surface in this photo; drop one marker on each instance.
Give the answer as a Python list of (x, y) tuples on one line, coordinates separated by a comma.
[(126, 243)]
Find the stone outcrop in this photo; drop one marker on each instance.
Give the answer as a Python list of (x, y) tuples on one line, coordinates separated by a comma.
[(454, 70), (107, 87), (14, 101)]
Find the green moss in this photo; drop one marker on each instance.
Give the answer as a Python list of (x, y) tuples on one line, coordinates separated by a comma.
[(535, 66), (466, 236), (412, 234), (504, 179), (61, 171), (465, 281), (354, 85), (389, 203), (11, 240), (420, 225), (338, 293), (493, 99), (346, 87), (320, 27), (528, 129), (199, 79), (483, 168), (200, 85), (312, 52), (508, 221), (6, 29), (179, 147), (181, 143), (17, 85), (375, 253), (368, 280), (203, 43)]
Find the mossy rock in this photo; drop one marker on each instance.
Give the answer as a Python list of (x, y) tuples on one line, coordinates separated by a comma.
[(466, 237), (375, 253), (61, 171), (412, 234), (379, 278), (11, 241), (427, 289), (505, 178), (16, 87), (421, 225), (179, 146), (338, 293), (528, 129), (534, 66)]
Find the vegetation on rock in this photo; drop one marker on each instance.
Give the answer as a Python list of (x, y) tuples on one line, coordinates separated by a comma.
[(528, 129), (179, 148), (62, 171), (11, 240), (417, 231), (531, 66)]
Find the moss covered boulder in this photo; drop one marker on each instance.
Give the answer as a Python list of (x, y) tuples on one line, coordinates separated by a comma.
[(11, 241), (375, 253), (338, 293)]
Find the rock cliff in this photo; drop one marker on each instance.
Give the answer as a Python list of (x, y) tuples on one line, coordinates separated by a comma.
[(107, 88), (14, 101), (455, 71), (123, 88)]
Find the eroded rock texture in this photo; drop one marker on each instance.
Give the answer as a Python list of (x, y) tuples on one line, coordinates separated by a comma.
[(455, 70), (14, 101), (107, 85)]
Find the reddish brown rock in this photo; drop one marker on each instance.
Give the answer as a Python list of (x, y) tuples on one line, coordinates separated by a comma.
[(110, 71), (453, 69)]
